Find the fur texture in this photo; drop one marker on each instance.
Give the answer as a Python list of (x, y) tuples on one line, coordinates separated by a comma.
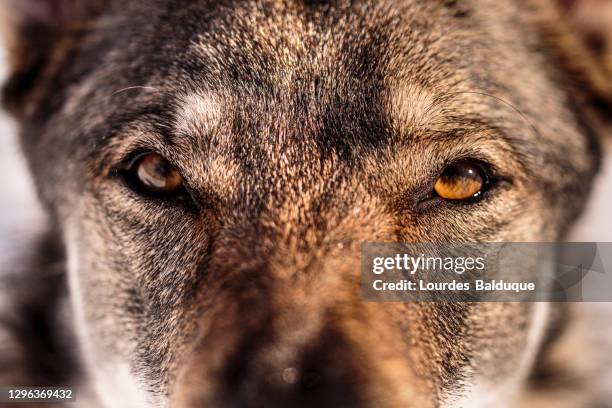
[(302, 128)]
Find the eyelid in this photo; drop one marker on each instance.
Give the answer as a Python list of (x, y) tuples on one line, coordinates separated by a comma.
[(424, 199), (131, 159), (122, 171), (127, 161)]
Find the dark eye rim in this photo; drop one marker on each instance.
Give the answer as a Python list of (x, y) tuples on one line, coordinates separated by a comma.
[(126, 171), (491, 179)]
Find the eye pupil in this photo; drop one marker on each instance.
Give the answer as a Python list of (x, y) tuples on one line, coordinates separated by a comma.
[(460, 181), (156, 174)]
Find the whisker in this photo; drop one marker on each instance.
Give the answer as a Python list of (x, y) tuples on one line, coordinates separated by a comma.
[(149, 88), (507, 103)]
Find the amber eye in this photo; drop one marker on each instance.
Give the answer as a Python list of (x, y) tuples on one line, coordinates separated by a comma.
[(155, 174), (461, 181)]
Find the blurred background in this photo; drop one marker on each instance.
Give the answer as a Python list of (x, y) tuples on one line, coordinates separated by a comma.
[(20, 216)]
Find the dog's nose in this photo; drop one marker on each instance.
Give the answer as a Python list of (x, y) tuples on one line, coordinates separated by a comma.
[(341, 362), (324, 374), (278, 339)]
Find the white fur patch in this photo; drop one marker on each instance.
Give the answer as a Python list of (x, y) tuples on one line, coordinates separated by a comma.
[(113, 383), (199, 113), (484, 395)]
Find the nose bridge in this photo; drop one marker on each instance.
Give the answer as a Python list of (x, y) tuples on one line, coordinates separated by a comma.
[(286, 325)]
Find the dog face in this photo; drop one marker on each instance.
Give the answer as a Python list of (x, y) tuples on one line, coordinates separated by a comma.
[(214, 166)]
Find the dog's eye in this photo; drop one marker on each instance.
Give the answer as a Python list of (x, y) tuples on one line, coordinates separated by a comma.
[(155, 174), (462, 180)]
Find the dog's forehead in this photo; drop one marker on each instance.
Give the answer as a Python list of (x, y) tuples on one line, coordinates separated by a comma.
[(301, 70), (280, 43)]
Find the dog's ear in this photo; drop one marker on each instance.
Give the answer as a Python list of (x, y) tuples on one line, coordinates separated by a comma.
[(579, 33), (32, 31)]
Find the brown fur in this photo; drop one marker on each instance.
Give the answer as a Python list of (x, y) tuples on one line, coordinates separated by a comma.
[(302, 129)]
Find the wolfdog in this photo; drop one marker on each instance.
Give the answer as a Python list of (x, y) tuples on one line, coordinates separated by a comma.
[(210, 168)]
